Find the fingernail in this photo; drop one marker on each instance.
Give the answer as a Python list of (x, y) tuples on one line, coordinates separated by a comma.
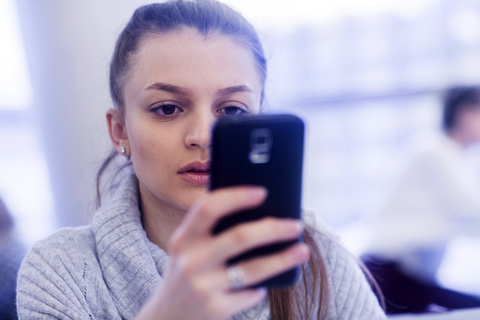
[(259, 192), (262, 292), (301, 252), (295, 227)]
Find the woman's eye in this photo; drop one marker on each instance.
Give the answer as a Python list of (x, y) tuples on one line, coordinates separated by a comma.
[(232, 111), (167, 109)]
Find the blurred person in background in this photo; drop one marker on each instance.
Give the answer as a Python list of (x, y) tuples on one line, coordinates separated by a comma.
[(11, 255), (177, 67), (437, 197)]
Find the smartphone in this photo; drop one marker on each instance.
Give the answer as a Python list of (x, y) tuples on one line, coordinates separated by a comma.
[(261, 150)]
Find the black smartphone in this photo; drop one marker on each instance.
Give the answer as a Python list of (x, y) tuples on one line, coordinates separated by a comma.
[(261, 150)]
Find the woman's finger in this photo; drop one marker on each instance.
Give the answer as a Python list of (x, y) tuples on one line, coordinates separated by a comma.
[(205, 213), (256, 270), (250, 235), (259, 269)]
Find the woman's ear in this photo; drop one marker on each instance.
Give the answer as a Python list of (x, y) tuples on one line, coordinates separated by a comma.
[(117, 132)]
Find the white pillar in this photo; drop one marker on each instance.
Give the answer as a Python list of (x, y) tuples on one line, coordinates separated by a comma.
[(69, 45)]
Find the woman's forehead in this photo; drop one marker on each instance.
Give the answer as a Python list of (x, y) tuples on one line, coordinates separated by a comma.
[(185, 56)]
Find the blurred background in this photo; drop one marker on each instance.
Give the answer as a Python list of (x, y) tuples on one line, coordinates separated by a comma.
[(366, 76)]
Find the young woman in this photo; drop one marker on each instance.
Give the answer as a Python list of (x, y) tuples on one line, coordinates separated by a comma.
[(149, 253)]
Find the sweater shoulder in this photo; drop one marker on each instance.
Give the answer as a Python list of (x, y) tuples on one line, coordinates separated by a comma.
[(70, 245), (65, 251), (51, 279), (350, 294), (68, 238)]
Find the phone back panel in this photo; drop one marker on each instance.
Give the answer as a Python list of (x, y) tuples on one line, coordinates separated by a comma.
[(264, 151)]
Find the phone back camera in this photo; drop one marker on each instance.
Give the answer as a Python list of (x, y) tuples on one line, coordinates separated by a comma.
[(261, 140), (260, 145)]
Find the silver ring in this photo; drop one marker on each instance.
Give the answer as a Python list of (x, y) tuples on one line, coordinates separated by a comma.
[(236, 277)]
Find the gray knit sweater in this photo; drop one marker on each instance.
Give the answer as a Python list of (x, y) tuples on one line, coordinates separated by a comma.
[(109, 269)]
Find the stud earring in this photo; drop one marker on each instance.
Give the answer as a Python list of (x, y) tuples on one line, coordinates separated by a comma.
[(123, 150)]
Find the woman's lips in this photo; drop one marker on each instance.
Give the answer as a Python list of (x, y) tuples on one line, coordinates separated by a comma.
[(195, 177), (195, 172)]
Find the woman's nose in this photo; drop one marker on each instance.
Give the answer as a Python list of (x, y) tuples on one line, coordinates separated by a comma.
[(199, 133)]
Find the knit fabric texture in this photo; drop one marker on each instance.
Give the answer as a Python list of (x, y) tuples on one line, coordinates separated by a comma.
[(109, 269)]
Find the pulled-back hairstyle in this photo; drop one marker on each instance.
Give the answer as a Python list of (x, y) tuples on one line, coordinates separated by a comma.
[(456, 99), (212, 18), (207, 17)]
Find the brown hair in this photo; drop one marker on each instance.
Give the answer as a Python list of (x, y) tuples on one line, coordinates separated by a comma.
[(209, 17)]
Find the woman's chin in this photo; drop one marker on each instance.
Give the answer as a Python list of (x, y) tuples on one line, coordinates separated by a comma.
[(192, 195)]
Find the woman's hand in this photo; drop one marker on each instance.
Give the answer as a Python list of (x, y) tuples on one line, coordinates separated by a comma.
[(195, 284)]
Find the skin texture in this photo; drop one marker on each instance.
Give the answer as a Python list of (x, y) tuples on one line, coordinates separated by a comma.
[(197, 80)]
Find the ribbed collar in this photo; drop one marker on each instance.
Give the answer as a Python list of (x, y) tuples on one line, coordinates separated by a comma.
[(132, 266)]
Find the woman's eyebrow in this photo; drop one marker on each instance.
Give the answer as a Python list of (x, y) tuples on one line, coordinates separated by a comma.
[(234, 89), (166, 87)]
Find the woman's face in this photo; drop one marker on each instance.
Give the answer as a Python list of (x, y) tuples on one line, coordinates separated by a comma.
[(178, 85)]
